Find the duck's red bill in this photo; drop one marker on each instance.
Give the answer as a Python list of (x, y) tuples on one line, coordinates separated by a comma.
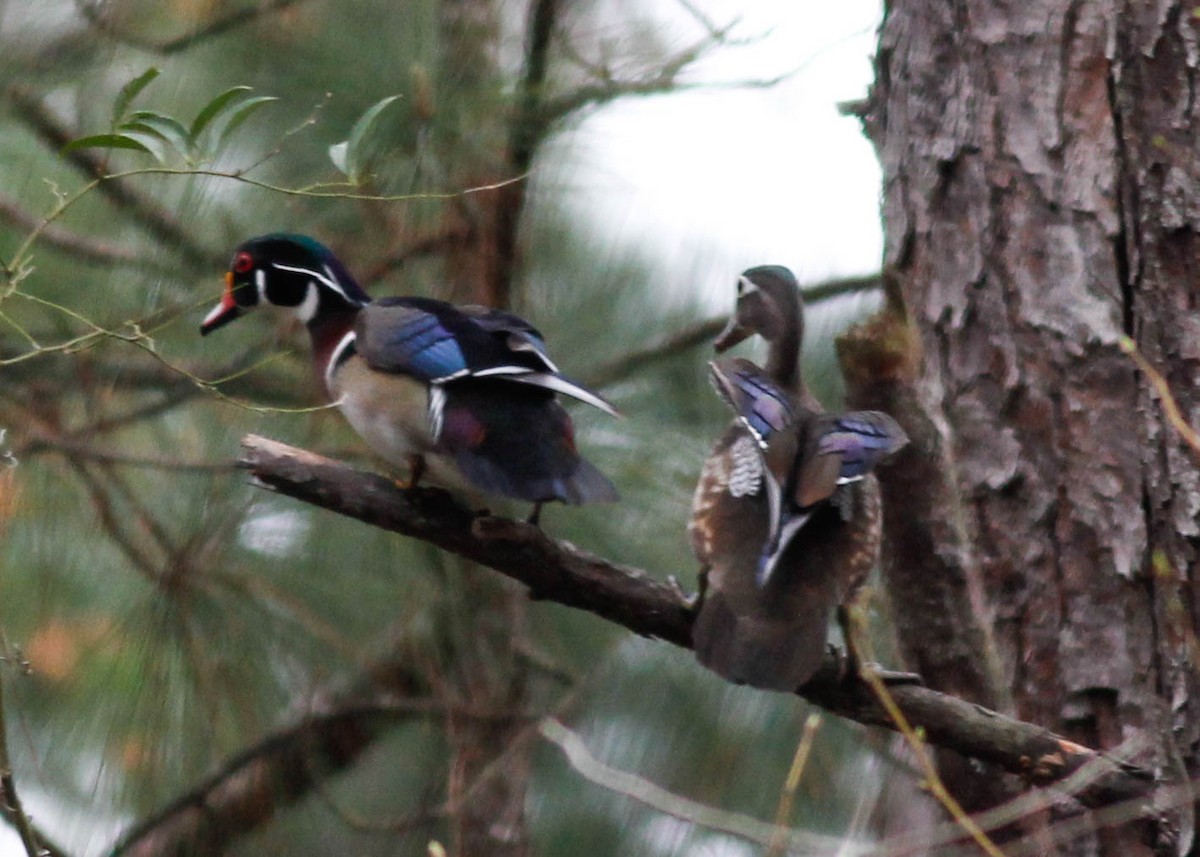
[(224, 312)]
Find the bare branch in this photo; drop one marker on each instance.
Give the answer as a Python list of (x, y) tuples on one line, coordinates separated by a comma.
[(219, 27), (11, 808), (81, 247), (630, 597), (664, 78), (266, 384), (703, 331), (596, 95), (85, 452), (423, 246), (113, 523), (291, 762), (528, 128), (677, 806), (143, 209), (253, 785), (637, 360)]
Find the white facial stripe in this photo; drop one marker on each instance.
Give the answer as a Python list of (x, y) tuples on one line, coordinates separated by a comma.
[(519, 343), (333, 282), (260, 283), (345, 343), (307, 310), (325, 279)]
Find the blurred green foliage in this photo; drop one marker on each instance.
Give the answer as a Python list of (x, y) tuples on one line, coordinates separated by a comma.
[(173, 614)]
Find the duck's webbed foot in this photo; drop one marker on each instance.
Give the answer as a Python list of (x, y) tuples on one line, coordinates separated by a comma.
[(692, 602), (416, 469), (851, 662)]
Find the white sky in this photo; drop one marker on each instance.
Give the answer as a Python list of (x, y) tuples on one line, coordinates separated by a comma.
[(713, 181)]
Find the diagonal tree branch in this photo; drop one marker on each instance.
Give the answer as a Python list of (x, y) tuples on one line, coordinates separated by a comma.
[(218, 27), (700, 332), (11, 808), (253, 785), (629, 597), (78, 245)]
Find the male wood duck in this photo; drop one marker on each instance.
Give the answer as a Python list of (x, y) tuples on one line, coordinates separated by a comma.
[(786, 516), (464, 395)]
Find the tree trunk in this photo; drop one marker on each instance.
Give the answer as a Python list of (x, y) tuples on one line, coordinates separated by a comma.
[(1041, 202), (489, 769)]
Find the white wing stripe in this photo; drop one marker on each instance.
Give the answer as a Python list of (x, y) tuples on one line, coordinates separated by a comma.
[(503, 370), (327, 279), (561, 385), (437, 410)]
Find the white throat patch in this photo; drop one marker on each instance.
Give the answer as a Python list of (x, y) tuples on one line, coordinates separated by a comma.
[(307, 310)]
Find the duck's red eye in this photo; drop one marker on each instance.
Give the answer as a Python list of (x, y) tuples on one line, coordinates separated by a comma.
[(242, 262)]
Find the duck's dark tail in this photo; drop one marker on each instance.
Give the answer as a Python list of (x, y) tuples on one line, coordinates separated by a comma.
[(516, 441), (758, 649)]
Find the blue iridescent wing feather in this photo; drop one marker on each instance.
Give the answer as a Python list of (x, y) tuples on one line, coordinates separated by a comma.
[(861, 439), (760, 405), (437, 342)]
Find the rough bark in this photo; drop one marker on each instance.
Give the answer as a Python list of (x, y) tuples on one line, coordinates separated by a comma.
[(1040, 201)]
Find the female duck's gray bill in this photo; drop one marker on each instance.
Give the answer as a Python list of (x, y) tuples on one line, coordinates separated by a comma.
[(733, 333)]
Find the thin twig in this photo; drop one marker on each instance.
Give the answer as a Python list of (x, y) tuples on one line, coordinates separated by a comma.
[(81, 247), (684, 808), (101, 456), (426, 245), (250, 781), (1170, 405), (143, 209), (219, 27), (14, 812), (933, 781), (784, 811), (113, 523), (701, 332)]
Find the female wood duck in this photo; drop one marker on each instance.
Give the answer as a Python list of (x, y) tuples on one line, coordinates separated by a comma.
[(786, 518), (462, 394)]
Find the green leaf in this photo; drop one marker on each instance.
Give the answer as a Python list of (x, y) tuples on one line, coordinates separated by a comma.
[(130, 91), (358, 133), (236, 116), (167, 127), (106, 141), (149, 139), (209, 111)]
